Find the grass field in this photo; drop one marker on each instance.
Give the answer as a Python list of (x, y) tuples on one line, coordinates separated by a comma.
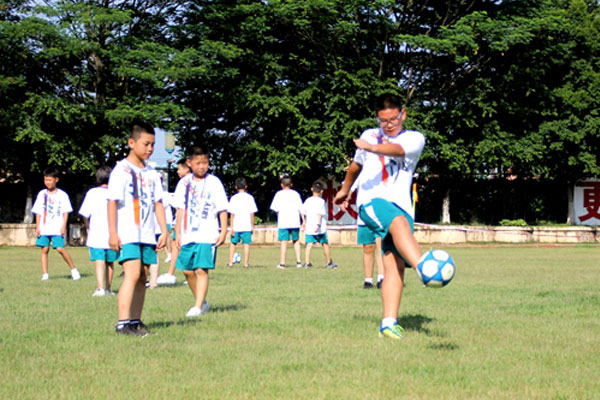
[(517, 322)]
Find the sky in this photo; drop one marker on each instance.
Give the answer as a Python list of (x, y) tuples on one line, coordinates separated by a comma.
[(160, 155)]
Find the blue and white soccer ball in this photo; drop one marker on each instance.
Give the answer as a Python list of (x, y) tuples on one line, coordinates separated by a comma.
[(237, 258), (436, 268)]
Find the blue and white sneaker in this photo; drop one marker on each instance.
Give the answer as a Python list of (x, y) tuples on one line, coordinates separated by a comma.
[(395, 332)]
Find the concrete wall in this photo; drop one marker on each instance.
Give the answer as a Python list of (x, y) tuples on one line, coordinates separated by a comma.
[(24, 234)]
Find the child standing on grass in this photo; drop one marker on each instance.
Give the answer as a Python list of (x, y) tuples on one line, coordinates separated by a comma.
[(134, 194), (288, 206), (384, 163), (51, 208), (95, 216), (315, 229), (201, 225), (169, 277), (242, 208)]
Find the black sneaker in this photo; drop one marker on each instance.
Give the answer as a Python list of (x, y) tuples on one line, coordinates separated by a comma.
[(142, 328), (379, 284), (309, 265), (367, 285), (129, 331), (331, 265)]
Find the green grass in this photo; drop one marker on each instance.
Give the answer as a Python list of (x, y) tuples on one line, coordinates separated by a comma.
[(517, 322)]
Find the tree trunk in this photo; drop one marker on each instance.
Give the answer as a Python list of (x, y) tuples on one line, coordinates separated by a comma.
[(28, 216), (446, 208), (570, 206)]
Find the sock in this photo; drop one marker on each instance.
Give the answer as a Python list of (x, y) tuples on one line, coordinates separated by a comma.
[(122, 322), (369, 280), (379, 277), (388, 322)]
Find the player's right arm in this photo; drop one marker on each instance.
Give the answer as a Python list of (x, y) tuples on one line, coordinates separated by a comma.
[(37, 225), (351, 174), (113, 239)]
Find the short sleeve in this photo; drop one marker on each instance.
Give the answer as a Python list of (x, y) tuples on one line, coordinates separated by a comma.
[(38, 205), (86, 206), (66, 203), (117, 183)]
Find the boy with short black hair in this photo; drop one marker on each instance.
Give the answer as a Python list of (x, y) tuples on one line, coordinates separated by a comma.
[(51, 208), (134, 197), (315, 230), (201, 225), (384, 163), (242, 208), (169, 277), (288, 206), (94, 211)]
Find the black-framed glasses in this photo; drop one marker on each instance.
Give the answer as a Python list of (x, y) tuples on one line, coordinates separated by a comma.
[(393, 121)]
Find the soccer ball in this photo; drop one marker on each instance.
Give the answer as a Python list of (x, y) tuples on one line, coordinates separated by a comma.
[(237, 258), (436, 268)]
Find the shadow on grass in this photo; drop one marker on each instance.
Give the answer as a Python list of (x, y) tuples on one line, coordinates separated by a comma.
[(415, 323), (442, 346), (194, 321)]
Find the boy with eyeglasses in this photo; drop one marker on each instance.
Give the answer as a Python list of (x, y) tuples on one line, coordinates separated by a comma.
[(384, 163)]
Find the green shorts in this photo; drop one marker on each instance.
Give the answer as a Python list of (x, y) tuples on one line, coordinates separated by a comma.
[(365, 235), (108, 255), (138, 251), (44, 241), (320, 238), (378, 216), (292, 234), (245, 237), (197, 256)]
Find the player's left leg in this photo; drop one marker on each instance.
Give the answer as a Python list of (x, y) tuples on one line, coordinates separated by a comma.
[(201, 286), (297, 250), (139, 295), (307, 251), (66, 256), (246, 254)]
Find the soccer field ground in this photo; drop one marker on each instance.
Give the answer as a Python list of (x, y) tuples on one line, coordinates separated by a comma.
[(517, 322)]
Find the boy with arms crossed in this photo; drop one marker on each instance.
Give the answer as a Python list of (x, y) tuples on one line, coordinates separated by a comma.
[(51, 208), (95, 216), (315, 229), (134, 197), (384, 163), (242, 208), (288, 206), (201, 225)]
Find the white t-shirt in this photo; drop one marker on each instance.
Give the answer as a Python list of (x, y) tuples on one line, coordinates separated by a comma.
[(389, 178), (314, 212), (135, 201), (168, 214), (51, 207), (288, 206), (94, 207), (200, 202), (242, 206)]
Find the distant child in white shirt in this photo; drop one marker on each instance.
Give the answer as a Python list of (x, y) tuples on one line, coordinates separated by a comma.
[(201, 225), (288, 206), (315, 229), (51, 208), (242, 208), (95, 216), (134, 197)]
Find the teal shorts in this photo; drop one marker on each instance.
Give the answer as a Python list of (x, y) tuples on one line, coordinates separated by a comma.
[(378, 216), (197, 256), (245, 237), (365, 235), (138, 251), (171, 229), (292, 234), (320, 238), (44, 241), (108, 255)]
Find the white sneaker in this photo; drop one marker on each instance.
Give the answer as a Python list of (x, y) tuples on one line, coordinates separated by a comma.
[(45, 277), (99, 293), (109, 293), (194, 312), (205, 308), (166, 279), (75, 274), (168, 257)]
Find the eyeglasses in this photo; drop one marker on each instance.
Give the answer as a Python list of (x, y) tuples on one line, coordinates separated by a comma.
[(393, 121)]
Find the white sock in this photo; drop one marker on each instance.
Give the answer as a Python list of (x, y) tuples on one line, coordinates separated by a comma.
[(388, 322), (379, 277), (370, 280)]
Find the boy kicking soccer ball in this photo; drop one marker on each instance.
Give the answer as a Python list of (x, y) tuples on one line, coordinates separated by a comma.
[(384, 163), (201, 225)]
